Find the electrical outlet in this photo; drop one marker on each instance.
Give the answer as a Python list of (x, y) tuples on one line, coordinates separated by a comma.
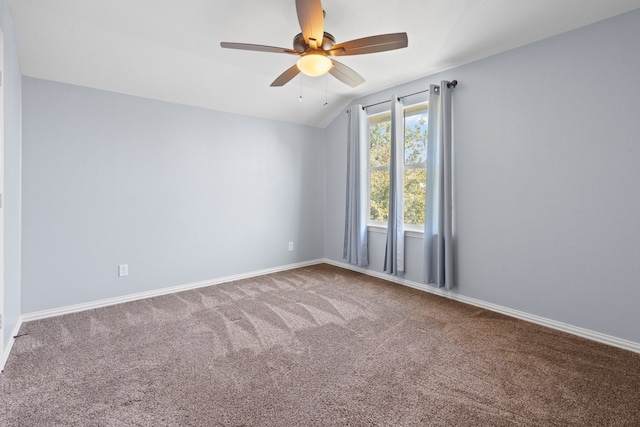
[(123, 270), (290, 246)]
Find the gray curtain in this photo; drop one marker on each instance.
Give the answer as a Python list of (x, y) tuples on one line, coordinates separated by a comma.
[(438, 225), (394, 253), (355, 229)]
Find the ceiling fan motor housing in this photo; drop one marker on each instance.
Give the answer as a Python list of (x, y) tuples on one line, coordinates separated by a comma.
[(300, 46)]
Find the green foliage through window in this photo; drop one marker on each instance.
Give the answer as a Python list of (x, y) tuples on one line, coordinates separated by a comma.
[(379, 158), (415, 156), (415, 152)]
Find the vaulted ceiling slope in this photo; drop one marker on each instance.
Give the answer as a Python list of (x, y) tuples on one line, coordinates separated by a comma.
[(170, 50)]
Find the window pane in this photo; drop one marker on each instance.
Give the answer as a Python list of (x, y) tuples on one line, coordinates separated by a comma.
[(379, 140), (379, 195), (414, 194), (415, 134)]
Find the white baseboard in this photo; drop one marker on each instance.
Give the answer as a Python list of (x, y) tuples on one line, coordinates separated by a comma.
[(574, 330), (36, 315), (553, 324), (9, 346)]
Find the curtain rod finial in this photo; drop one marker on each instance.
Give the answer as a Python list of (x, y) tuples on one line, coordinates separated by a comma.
[(452, 83)]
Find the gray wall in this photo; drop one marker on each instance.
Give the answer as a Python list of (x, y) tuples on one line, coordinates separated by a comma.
[(547, 177), (180, 194), (12, 163)]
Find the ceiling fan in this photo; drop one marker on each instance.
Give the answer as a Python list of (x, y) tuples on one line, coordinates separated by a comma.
[(314, 46)]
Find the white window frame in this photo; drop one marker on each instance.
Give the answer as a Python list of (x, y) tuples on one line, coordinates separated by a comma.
[(370, 222), (415, 228), (412, 230)]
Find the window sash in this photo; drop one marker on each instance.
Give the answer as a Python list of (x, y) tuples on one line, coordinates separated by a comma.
[(409, 111)]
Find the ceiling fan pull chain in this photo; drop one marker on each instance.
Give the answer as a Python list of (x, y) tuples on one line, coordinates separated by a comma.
[(326, 91), (300, 79)]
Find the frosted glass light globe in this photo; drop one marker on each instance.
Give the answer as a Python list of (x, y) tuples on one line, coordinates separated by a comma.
[(314, 64)]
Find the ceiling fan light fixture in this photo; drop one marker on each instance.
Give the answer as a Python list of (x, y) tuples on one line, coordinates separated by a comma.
[(314, 64), (315, 47)]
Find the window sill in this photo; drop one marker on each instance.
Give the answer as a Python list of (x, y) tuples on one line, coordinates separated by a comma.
[(383, 230)]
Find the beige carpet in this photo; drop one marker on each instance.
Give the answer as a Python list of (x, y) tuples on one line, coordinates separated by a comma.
[(314, 346)]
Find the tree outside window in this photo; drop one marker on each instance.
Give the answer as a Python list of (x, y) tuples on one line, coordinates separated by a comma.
[(414, 149)]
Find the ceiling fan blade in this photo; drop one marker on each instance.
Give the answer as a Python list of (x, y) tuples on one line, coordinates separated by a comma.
[(257, 47), (285, 77), (311, 19), (373, 44), (345, 74)]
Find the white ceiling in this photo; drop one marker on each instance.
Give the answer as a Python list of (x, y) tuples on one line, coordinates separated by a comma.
[(170, 49)]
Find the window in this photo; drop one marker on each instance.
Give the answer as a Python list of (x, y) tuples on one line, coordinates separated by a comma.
[(414, 151), (415, 163), (379, 157)]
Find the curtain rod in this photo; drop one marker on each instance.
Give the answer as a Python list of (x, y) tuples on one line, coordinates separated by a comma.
[(452, 83)]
